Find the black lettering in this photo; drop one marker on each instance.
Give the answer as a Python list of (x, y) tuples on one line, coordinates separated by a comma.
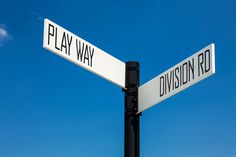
[(165, 84), (180, 76), (56, 40), (49, 32), (191, 68), (207, 58), (200, 67), (69, 43), (80, 50), (185, 73), (168, 77), (86, 55), (176, 84), (91, 52), (173, 80), (161, 85), (63, 42)]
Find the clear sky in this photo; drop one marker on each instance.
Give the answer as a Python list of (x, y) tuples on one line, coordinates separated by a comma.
[(50, 107)]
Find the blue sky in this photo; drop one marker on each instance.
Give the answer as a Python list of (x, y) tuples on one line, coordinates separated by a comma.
[(50, 107)]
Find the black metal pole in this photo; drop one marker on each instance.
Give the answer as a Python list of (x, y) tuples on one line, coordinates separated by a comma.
[(132, 130)]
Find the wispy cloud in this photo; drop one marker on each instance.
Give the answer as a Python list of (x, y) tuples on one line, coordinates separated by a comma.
[(4, 35)]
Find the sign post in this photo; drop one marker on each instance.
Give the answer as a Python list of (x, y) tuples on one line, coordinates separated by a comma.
[(132, 128), (127, 75)]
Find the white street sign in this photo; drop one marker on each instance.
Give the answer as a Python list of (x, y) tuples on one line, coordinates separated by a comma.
[(188, 72), (75, 49)]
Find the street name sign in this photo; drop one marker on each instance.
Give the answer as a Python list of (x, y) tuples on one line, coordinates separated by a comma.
[(126, 75), (188, 72), (77, 50)]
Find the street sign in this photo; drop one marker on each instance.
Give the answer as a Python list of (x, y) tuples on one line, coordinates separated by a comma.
[(126, 75), (188, 72), (77, 50)]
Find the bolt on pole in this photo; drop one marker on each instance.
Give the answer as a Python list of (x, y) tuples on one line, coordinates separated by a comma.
[(132, 120)]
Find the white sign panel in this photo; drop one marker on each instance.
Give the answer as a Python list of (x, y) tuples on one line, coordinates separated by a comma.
[(82, 53), (188, 72)]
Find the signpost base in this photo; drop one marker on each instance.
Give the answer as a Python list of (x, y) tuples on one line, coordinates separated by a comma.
[(132, 120)]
